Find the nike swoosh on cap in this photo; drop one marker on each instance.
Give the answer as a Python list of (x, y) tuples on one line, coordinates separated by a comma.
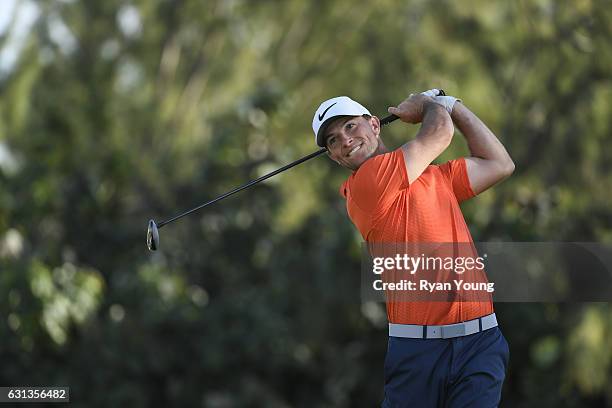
[(321, 116)]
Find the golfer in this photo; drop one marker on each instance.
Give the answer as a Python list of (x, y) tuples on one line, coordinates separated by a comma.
[(440, 354)]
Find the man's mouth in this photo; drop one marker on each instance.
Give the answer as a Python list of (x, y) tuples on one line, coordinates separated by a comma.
[(353, 150)]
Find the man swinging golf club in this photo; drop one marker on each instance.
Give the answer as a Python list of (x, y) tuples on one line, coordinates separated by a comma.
[(440, 354)]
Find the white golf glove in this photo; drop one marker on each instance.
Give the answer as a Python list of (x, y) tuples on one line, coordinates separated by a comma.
[(447, 101), (431, 92)]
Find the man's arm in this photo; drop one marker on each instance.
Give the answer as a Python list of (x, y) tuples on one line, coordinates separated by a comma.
[(433, 137), (489, 162)]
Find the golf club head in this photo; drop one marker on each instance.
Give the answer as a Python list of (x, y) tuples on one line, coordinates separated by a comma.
[(152, 236)]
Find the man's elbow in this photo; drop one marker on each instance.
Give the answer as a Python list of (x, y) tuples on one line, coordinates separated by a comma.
[(507, 168), (447, 131)]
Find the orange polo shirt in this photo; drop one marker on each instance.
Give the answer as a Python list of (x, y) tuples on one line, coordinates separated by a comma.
[(386, 208)]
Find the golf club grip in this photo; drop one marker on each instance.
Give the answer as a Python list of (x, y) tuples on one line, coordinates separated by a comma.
[(388, 119)]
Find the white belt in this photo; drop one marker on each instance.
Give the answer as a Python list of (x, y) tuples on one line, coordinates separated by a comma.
[(445, 331)]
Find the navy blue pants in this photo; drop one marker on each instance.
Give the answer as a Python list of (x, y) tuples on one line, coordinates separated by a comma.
[(460, 372)]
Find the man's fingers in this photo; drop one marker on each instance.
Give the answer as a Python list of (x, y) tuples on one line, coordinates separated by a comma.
[(393, 110)]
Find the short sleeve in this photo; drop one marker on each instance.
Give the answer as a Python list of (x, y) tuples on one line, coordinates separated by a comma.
[(377, 183), (455, 172)]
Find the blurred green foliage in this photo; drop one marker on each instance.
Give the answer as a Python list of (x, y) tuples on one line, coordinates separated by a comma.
[(118, 111)]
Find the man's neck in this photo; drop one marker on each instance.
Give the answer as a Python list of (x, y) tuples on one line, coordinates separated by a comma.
[(381, 149)]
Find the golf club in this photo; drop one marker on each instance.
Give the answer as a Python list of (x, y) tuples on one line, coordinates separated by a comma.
[(153, 228)]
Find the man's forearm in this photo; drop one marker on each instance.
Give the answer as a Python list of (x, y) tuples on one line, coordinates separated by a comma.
[(436, 127), (433, 138), (481, 141)]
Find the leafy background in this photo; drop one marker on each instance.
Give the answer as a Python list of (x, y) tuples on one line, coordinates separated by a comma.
[(114, 112)]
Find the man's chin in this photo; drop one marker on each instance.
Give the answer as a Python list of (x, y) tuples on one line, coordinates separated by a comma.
[(355, 163)]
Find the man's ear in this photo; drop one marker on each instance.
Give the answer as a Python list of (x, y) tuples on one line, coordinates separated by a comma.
[(375, 123)]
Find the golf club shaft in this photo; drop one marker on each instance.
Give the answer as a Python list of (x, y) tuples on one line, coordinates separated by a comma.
[(383, 122), (249, 184)]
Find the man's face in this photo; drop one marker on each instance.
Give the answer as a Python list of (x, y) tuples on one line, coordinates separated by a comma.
[(351, 140)]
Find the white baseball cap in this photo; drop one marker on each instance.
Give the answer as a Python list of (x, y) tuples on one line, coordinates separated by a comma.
[(331, 108)]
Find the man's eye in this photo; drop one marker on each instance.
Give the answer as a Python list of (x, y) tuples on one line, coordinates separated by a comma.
[(331, 141), (349, 126)]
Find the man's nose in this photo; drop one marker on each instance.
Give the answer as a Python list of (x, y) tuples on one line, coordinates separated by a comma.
[(346, 141)]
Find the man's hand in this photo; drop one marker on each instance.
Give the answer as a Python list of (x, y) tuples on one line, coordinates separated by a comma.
[(447, 101), (412, 109)]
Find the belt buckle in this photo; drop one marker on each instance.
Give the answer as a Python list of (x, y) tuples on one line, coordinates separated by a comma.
[(452, 330)]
